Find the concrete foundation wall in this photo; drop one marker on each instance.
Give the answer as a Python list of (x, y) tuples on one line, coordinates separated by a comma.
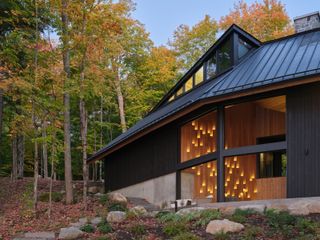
[(158, 191)]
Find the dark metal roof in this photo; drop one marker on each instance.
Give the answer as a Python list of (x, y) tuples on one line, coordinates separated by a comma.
[(276, 61)]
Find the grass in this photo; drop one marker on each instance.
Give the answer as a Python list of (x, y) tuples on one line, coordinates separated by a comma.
[(172, 229), (221, 236), (104, 227), (186, 236), (241, 215), (251, 232), (138, 229)]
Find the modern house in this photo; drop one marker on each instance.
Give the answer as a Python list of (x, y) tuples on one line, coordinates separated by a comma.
[(242, 124)]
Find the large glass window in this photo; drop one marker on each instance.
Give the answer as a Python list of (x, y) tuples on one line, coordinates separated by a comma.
[(224, 56), (198, 78), (200, 182), (198, 137), (255, 176), (243, 48), (211, 67), (189, 84), (248, 123)]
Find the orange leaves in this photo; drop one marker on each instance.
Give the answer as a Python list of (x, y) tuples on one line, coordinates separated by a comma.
[(266, 21)]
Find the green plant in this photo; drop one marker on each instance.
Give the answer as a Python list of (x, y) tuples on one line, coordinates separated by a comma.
[(186, 236), (240, 215), (279, 219), (174, 228), (104, 227), (55, 196), (169, 217), (103, 238), (221, 236), (250, 233), (138, 229), (305, 226), (206, 216), (87, 228), (117, 207), (104, 199)]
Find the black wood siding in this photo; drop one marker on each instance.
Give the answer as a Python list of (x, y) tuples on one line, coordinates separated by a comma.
[(303, 137), (151, 156)]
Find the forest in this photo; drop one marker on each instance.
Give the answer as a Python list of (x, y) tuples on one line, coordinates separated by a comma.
[(76, 74)]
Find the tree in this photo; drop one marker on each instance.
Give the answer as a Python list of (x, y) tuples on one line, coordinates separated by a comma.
[(190, 43), (265, 20)]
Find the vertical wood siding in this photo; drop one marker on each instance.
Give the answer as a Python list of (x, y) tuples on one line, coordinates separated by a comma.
[(303, 170)]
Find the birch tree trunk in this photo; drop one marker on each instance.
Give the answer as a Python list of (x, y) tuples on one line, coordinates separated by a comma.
[(66, 103), (120, 103)]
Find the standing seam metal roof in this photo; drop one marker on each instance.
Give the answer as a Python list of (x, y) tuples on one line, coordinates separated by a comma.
[(273, 62)]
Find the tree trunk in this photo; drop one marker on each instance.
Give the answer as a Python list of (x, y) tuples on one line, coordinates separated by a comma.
[(66, 102), (83, 132), (36, 175), (120, 104), (14, 159), (53, 155), (1, 121), (20, 156), (101, 136), (44, 149)]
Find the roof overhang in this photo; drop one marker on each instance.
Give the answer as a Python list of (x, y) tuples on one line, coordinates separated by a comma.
[(211, 100)]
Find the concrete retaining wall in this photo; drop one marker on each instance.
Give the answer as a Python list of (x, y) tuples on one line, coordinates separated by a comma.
[(157, 191)]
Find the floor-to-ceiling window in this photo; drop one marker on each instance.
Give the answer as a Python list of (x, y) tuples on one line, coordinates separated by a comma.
[(255, 175)]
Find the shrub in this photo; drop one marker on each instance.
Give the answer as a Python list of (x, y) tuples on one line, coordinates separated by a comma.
[(104, 199), (174, 228), (186, 236), (87, 228), (104, 227), (55, 196), (221, 236), (305, 226), (251, 232), (169, 217), (206, 216), (240, 215), (138, 229), (279, 219), (117, 207)]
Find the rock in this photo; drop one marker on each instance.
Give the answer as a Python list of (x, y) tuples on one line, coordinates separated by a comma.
[(190, 210), (40, 235), (70, 233), (96, 221), (83, 221), (138, 211), (99, 194), (118, 198), (93, 189), (299, 208), (257, 207), (314, 207), (77, 225), (116, 216), (227, 210), (224, 225)]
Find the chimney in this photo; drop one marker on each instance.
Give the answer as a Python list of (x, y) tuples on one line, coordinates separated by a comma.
[(307, 22)]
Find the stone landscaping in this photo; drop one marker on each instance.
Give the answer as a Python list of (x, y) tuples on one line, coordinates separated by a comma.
[(208, 221)]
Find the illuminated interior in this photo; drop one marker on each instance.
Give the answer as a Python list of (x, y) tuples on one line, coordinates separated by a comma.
[(243, 182), (200, 182), (248, 122), (198, 137)]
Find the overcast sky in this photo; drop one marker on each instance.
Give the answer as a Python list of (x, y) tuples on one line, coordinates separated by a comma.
[(162, 17)]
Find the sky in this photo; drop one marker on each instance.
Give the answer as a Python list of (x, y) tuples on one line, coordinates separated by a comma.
[(162, 17)]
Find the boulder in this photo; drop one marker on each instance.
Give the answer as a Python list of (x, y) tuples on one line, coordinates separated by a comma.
[(95, 221), (70, 233), (314, 207), (225, 225), (93, 189), (138, 211), (229, 210), (118, 198), (77, 225), (256, 207), (40, 235), (116, 216), (299, 208), (83, 221), (186, 211)]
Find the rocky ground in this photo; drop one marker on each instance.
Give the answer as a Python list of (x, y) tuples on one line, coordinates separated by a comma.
[(113, 216)]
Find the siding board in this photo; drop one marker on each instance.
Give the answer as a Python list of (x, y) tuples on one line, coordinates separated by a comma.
[(303, 111)]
